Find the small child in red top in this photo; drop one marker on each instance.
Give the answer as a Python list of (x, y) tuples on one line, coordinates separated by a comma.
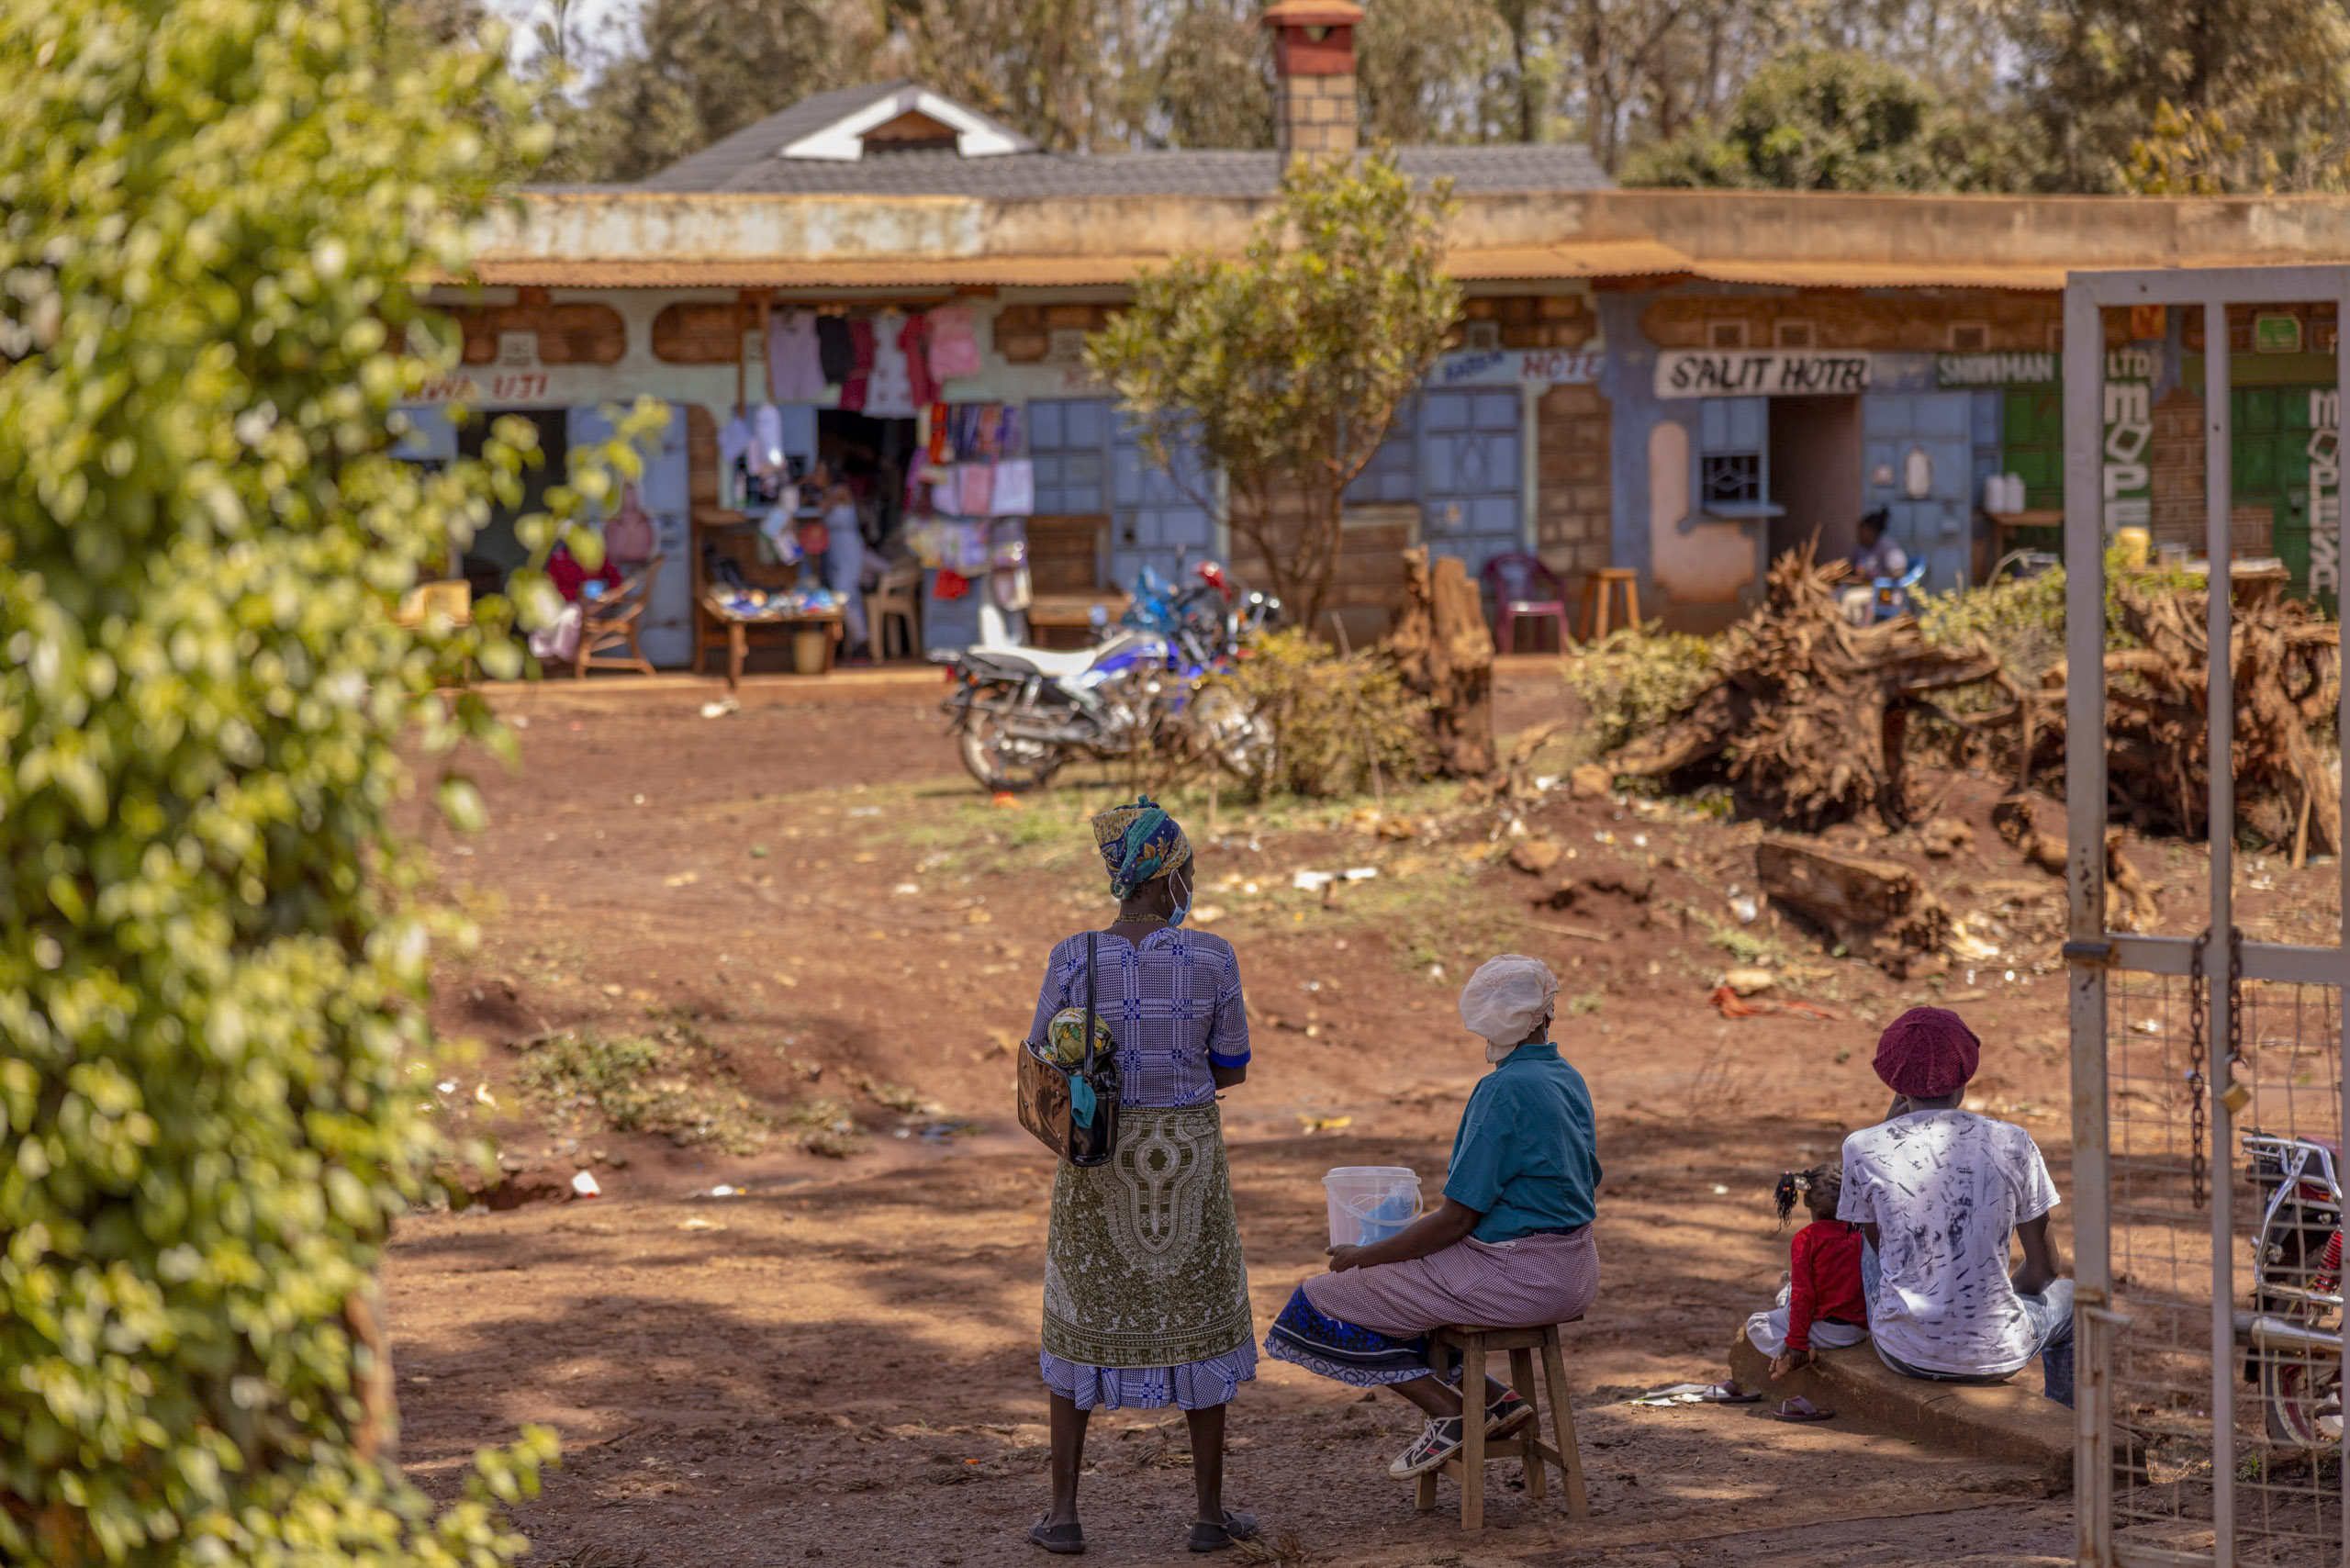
[(1821, 1301)]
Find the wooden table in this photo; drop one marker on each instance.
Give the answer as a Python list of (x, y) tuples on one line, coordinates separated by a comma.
[(1051, 614), (739, 628)]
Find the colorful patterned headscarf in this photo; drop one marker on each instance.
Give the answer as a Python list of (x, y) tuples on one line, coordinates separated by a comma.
[(1139, 843)]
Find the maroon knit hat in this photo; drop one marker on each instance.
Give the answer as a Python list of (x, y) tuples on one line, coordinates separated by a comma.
[(1926, 1053)]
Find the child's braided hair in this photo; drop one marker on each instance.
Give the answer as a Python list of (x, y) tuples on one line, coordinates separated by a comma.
[(1818, 1187)]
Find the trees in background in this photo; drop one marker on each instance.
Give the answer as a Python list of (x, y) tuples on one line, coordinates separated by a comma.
[(2059, 94), (1282, 370)]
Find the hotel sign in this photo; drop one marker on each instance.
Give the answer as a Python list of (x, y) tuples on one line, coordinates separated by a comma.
[(1758, 373)]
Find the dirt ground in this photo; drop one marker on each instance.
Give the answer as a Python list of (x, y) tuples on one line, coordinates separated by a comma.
[(838, 1361)]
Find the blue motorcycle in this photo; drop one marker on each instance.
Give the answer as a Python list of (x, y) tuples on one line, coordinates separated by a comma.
[(1022, 714)]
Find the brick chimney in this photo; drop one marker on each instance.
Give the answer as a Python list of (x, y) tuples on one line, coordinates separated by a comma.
[(1313, 75)]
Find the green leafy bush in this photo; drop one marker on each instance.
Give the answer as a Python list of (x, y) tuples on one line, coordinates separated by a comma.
[(1334, 717), (2022, 620), (212, 216), (1634, 679)]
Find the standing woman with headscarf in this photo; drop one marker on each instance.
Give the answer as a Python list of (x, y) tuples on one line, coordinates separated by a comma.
[(1146, 1295), (1511, 1247)]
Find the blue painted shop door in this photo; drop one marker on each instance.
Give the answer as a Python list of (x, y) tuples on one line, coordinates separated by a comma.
[(1471, 475), (1918, 448)]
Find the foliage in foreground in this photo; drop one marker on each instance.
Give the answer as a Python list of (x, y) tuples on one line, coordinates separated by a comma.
[(210, 1026), (2022, 619), (1338, 720)]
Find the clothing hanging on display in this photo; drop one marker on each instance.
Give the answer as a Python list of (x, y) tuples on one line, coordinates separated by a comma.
[(836, 355), (915, 341), (767, 439), (889, 390), (975, 490), (856, 386), (733, 450), (1016, 487), (954, 345), (794, 373)]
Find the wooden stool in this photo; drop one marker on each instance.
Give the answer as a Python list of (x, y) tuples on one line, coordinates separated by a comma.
[(1468, 1466), (1602, 592)]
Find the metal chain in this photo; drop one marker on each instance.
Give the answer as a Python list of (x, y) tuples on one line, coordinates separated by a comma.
[(2198, 1165)]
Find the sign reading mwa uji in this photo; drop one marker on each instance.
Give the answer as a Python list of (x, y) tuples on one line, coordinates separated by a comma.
[(1758, 373)]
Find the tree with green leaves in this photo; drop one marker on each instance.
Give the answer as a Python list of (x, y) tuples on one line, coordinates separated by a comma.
[(1840, 120), (1283, 369), (212, 1040)]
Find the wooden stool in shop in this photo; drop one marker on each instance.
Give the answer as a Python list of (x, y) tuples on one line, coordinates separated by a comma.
[(1603, 591), (1468, 1466)]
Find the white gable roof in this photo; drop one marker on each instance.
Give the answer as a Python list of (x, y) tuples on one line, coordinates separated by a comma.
[(843, 140)]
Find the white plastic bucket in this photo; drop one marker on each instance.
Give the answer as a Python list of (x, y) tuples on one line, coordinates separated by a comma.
[(1370, 1202)]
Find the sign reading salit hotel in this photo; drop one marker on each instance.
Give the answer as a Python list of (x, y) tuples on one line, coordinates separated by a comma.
[(1741, 372)]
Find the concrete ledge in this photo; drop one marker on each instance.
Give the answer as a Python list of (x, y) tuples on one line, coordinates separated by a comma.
[(2011, 1421)]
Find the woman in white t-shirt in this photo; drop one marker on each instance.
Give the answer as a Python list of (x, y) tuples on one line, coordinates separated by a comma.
[(1939, 1191)]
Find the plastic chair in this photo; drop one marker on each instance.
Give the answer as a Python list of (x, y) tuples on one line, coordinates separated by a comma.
[(612, 622), (1516, 580), (897, 600)]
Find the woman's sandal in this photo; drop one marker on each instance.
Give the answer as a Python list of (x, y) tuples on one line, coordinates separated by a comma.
[(1066, 1539), (1208, 1535), (1801, 1409)]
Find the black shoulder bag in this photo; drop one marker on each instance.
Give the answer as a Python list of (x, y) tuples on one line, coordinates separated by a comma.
[(1072, 1111)]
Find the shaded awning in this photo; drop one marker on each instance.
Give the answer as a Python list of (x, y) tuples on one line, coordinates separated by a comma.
[(1881, 274), (685, 272), (1583, 258)]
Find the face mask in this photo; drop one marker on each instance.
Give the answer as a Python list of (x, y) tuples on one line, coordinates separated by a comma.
[(1181, 909)]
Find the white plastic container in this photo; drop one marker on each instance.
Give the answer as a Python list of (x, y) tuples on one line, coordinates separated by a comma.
[(1370, 1202)]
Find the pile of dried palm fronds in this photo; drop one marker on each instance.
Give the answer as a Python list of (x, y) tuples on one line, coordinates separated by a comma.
[(1805, 712)]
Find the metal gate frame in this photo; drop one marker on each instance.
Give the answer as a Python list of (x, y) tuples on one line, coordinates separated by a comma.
[(2092, 950)]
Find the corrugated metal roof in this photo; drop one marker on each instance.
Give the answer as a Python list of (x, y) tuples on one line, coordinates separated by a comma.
[(1882, 274), (746, 163)]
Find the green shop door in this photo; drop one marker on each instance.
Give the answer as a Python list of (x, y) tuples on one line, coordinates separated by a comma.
[(2277, 429)]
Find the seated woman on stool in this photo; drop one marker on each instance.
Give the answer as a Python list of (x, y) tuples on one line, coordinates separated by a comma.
[(1511, 1247)]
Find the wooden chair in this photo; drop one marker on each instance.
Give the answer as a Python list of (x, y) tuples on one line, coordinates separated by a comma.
[(614, 622), (1524, 590), (1602, 592), (1468, 1466), (898, 599)]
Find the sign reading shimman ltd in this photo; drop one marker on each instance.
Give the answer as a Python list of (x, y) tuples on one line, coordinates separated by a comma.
[(1743, 373), (1995, 369)]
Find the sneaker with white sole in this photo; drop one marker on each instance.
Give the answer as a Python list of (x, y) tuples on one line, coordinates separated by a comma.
[(1438, 1441), (1507, 1414)]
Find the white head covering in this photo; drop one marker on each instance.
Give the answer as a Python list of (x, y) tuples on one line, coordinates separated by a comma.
[(1505, 998)]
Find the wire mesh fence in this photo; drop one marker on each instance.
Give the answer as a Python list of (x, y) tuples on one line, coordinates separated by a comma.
[(2278, 1277)]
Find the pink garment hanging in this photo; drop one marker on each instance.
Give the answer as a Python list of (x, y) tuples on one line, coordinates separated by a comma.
[(954, 343), (888, 391), (860, 349), (975, 490), (918, 378)]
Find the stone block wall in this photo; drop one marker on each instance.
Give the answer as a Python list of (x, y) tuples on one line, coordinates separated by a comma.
[(1573, 519), (1918, 321), (1316, 116)]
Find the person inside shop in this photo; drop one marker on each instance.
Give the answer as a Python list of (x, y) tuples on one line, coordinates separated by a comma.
[(1880, 556), (843, 555), (1938, 1194)]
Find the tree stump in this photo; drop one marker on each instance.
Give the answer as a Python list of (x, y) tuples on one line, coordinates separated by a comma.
[(1444, 651), (1875, 908)]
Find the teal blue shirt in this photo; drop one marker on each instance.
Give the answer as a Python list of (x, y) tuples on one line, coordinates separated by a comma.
[(1526, 1156)]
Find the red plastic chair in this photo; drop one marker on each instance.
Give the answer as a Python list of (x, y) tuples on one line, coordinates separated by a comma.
[(1524, 590)]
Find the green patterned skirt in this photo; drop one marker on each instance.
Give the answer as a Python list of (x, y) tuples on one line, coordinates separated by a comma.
[(1143, 1269)]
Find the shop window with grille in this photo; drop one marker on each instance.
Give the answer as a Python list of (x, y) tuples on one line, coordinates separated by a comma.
[(1733, 474)]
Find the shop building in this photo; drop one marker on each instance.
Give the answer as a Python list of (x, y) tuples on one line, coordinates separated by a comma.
[(1675, 382)]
